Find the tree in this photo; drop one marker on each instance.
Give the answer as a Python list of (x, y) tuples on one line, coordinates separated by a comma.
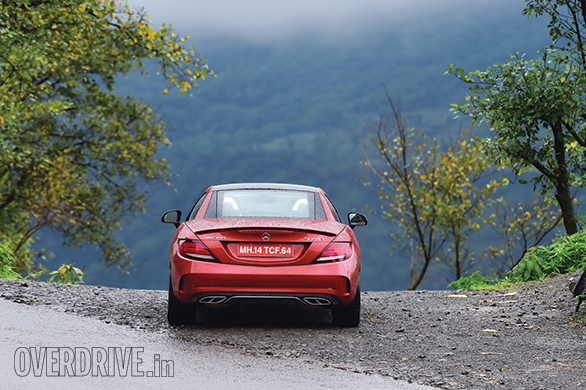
[(73, 152), (436, 198), (465, 196), (536, 108), (520, 227)]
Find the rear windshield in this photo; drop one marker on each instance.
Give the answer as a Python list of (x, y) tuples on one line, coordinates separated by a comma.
[(261, 203)]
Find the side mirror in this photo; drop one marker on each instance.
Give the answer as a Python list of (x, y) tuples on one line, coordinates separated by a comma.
[(356, 219), (172, 216)]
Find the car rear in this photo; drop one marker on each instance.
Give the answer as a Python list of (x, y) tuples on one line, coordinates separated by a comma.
[(293, 250)]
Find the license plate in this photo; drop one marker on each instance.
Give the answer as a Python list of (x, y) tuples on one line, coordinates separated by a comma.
[(265, 250)]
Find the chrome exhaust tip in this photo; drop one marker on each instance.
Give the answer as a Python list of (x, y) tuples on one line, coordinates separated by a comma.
[(213, 300), (316, 301)]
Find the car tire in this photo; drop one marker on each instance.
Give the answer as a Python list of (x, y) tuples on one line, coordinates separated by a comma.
[(347, 316), (179, 313)]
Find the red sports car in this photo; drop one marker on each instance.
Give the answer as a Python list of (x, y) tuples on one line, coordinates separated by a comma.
[(264, 242)]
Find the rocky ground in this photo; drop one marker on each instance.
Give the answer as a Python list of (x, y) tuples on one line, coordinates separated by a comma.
[(527, 337)]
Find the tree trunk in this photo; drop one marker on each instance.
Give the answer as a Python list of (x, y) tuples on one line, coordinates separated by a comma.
[(562, 183), (567, 206), (457, 257), (413, 285)]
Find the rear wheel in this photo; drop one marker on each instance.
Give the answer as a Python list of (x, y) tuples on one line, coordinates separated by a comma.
[(179, 313), (347, 316)]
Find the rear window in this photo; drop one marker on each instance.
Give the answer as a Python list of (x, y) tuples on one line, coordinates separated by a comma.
[(195, 208), (334, 210), (264, 203)]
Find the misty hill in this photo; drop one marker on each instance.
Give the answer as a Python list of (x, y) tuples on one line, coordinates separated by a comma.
[(290, 111)]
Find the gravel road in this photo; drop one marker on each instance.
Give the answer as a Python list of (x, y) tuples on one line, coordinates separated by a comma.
[(527, 337)]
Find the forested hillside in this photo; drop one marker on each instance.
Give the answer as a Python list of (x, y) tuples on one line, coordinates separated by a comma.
[(291, 111)]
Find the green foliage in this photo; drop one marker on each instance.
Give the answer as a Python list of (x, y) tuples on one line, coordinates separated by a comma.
[(73, 152), (520, 227), (568, 254), (536, 108), (6, 261), (288, 112), (434, 196), (476, 280), (67, 274), (566, 22)]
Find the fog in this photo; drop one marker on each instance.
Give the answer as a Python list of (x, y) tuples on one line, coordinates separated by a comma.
[(269, 21)]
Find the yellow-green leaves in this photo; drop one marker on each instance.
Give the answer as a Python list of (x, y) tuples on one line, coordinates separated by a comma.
[(73, 153), (520, 227), (67, 274), (434, 198)]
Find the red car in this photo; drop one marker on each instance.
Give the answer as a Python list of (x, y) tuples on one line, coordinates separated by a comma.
[(264, 242)]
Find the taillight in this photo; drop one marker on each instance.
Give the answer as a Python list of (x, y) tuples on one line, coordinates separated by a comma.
[(337, 251), (195, 249)]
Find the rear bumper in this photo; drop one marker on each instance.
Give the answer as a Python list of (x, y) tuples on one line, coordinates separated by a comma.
[(221, 298), (194, 280)]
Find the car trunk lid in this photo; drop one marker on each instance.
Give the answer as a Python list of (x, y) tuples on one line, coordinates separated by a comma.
[(265, 242)]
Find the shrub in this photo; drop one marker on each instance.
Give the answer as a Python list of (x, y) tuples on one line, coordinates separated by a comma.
[(475, 281), (6, 261), (67, 274), (566, 255)]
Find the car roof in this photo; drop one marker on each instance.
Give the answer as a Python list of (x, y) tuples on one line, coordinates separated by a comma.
[(265, 186)]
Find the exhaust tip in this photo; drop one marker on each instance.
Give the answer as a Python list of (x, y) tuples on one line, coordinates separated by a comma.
[(213, 300), (316, 301)]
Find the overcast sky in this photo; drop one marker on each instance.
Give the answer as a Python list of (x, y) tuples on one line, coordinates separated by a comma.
[(266, 20)]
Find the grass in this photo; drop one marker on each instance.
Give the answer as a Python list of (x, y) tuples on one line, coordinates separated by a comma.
[(566, 255)]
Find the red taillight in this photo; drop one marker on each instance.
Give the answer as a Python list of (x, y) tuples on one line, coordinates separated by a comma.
[(195, 249), (335, 252)]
